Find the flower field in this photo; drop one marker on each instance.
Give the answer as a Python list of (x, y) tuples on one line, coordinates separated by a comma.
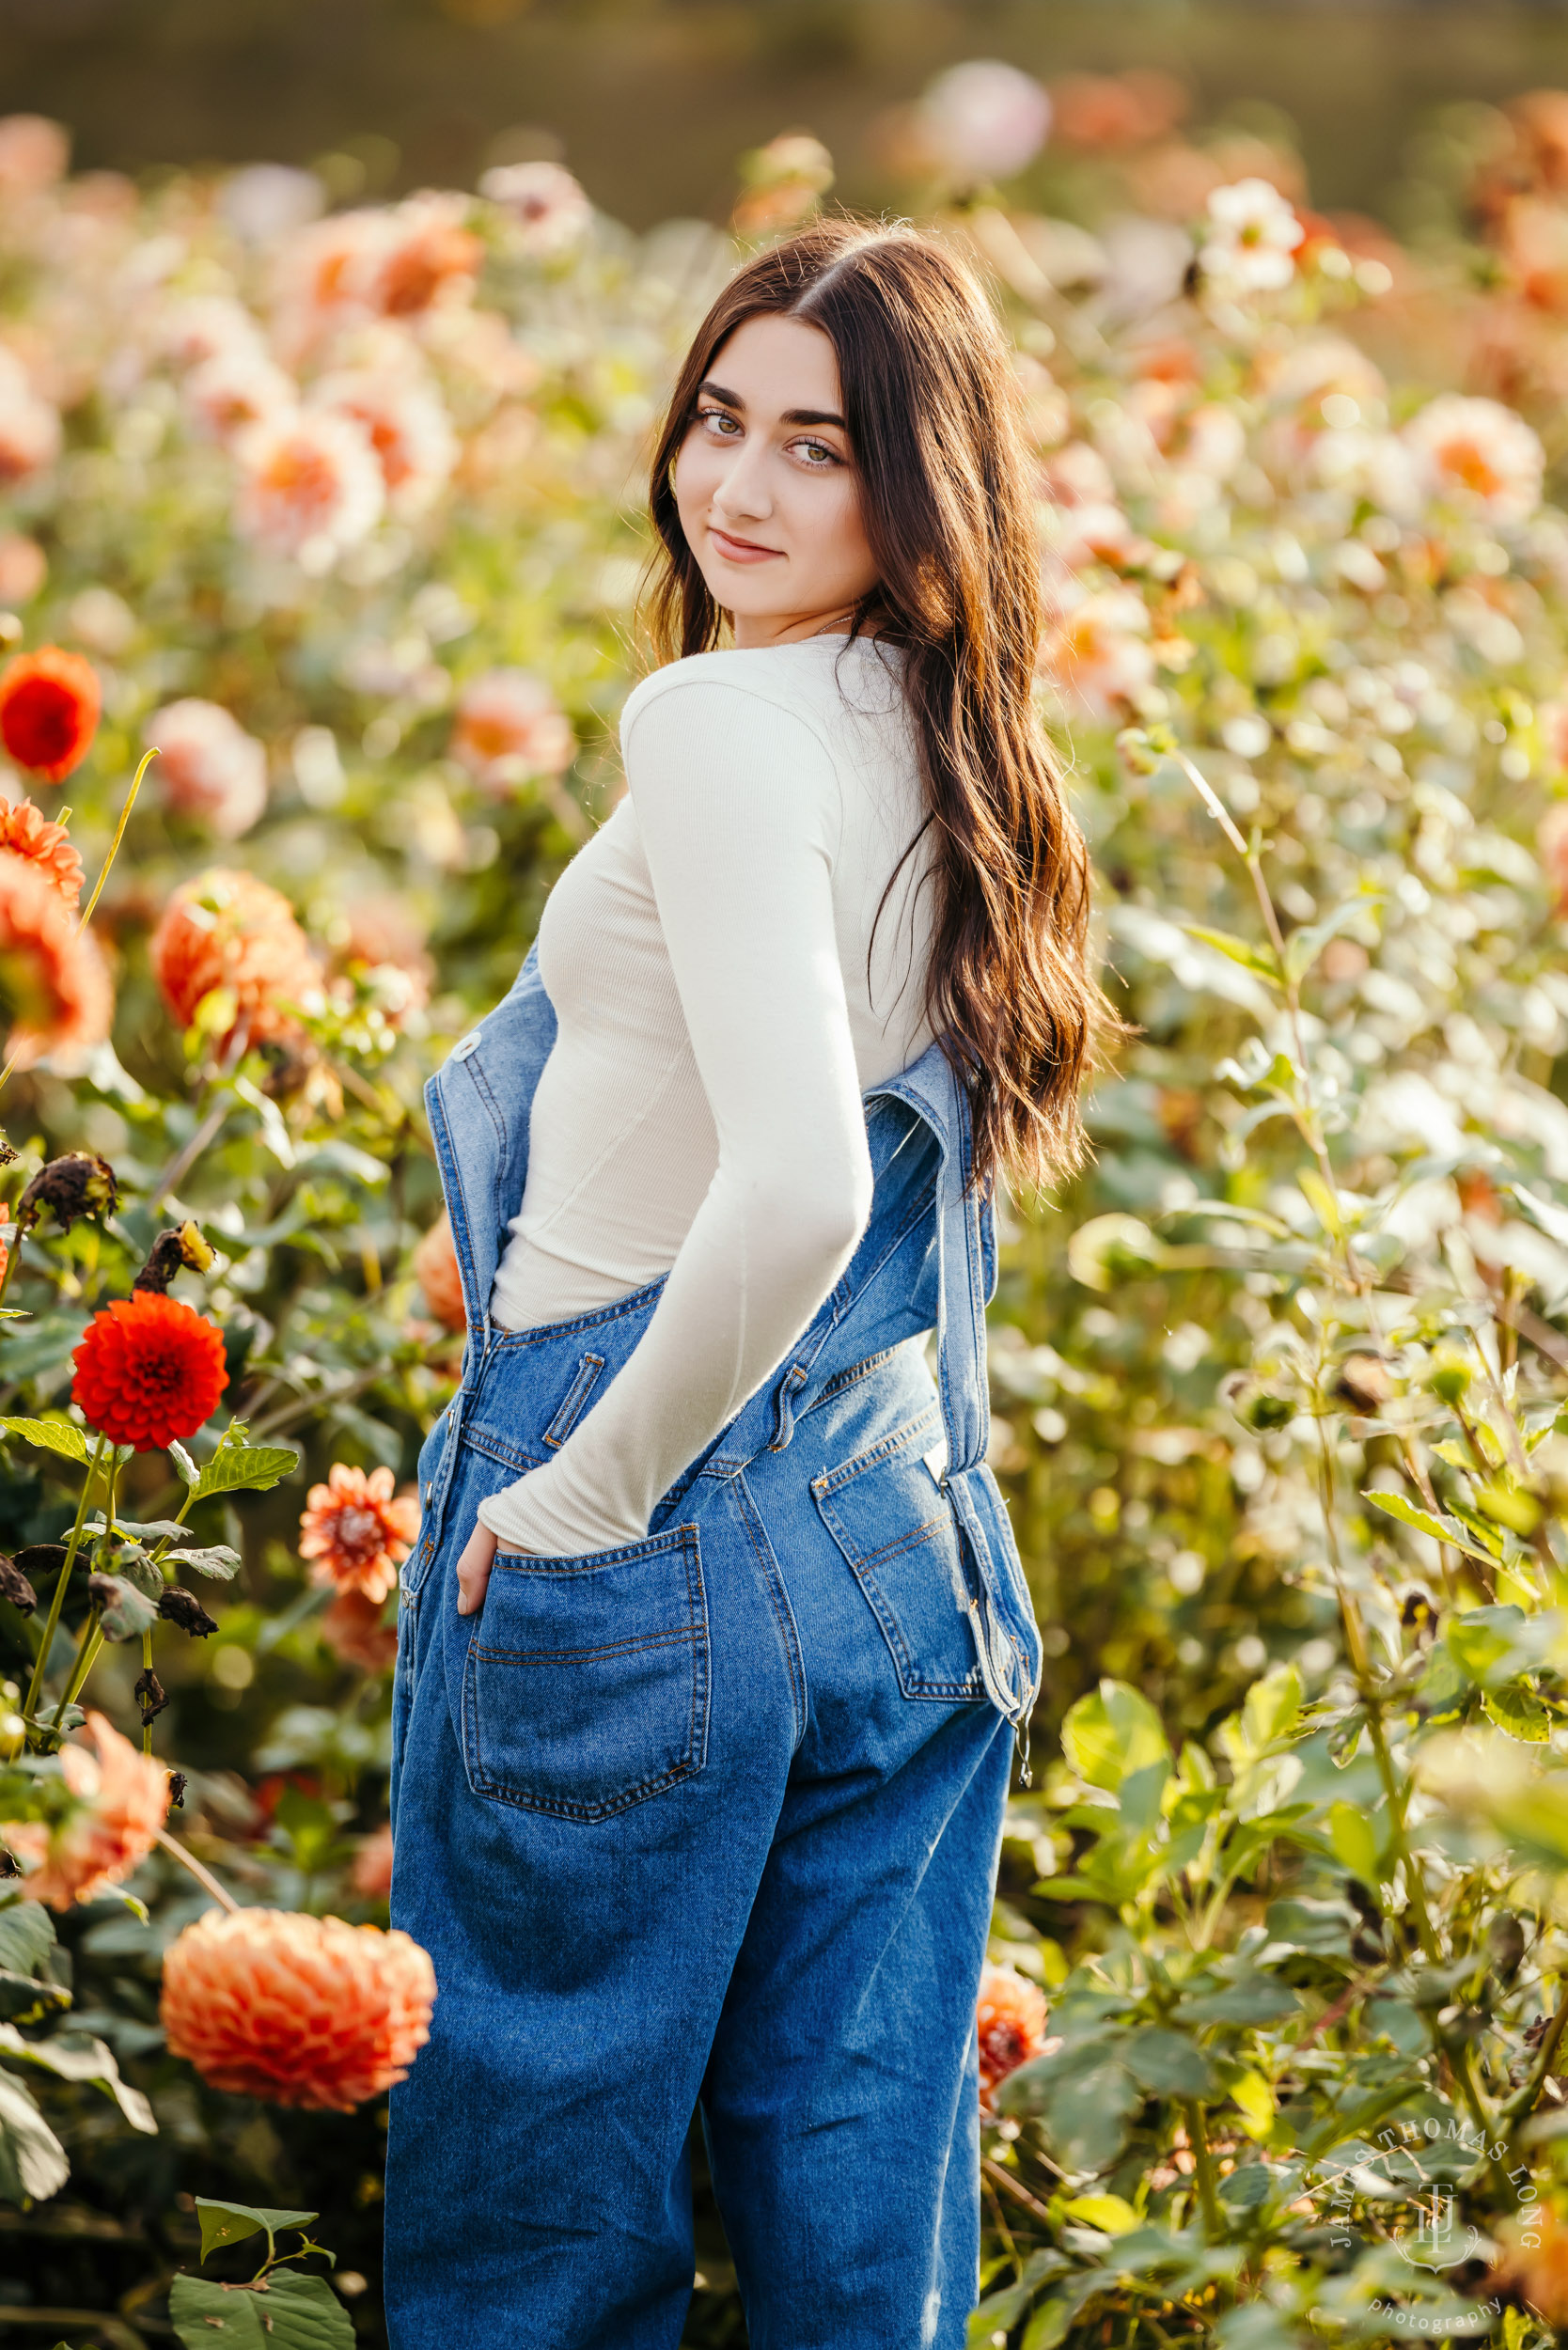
[(325, 525)]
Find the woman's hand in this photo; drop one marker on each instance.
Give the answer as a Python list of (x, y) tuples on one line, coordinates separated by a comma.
[(474, 1571)]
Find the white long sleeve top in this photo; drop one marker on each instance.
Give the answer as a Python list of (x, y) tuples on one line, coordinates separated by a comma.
[(722, 1002)]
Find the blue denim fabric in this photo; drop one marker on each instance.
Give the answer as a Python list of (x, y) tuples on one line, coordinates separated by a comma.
[(711, 1820)]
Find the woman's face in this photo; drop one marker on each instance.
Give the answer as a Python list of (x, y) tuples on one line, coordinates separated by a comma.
[(766, 488)]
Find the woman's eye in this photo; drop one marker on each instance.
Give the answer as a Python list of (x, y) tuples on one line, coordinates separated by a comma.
[(817, 454), (723, 426)]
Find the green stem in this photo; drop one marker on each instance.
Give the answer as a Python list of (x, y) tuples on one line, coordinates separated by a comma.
[(52, 1625), (146, 1667), (1514, 2108), (86, 1657), (1208, 2198)]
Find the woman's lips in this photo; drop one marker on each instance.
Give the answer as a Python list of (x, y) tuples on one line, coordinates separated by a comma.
[(741, 550)]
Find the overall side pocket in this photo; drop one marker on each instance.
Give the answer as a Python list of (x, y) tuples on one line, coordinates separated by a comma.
[(896, 1527), (586, 1683)]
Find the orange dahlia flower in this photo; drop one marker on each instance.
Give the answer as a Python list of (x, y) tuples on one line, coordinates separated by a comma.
[(49, 705), (150, 1370), (228, 929), (1534, 2259), (353, 1627), (27, 833), (356, 1533), (121, 1800), (300, 2011), (372, 1867), (436, 1269), (1010, 2013), (52, 973)]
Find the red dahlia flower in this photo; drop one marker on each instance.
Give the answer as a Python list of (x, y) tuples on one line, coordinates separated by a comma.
[(150, 1370), (49, 706), (1010, 2018)]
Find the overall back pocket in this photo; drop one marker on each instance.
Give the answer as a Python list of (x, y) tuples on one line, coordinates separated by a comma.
[(586, 1687), (896, 1527)]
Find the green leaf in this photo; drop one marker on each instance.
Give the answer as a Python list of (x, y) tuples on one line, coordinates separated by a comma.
[(1261, 959), (1256, 1999), (1516, 1709), (1354, 1842), (305, 2313), (230, 2223), (26, 1936), (1111, 1733), (129, 1613), (1442, 1530), (1111, 2214), (185, 1464), (74, 2057), (256, 1465), (1169, 2064), (1053, 2320), (217, 1560), (54, 1435), (1271, 1708), (32, 2160), (203, 2313)]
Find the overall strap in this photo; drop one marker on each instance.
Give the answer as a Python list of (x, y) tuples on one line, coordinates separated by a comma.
[(966, 1265)]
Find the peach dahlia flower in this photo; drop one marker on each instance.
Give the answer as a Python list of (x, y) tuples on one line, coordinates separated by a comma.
[(355, 1532), (509, 728), (226, 928), (52, 973), (436, 1269), (1011, 2016), (121, 1800), (310, 485), (300, 2011), (209, 767), (27, 833)]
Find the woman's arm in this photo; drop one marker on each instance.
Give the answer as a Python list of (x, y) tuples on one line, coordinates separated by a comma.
[(738, 805)]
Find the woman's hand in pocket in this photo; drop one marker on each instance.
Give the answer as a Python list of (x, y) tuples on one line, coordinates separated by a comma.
[(473, 1571)]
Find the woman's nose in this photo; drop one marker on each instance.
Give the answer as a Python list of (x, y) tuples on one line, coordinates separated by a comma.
[(743, 491)]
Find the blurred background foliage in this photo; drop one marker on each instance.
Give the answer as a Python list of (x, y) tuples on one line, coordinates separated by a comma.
[(650, 100)]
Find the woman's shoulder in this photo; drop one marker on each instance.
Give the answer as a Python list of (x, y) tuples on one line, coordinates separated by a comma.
[(809, 681)]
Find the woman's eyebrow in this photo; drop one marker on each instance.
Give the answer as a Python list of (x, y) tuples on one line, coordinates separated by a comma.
[(791, 415)]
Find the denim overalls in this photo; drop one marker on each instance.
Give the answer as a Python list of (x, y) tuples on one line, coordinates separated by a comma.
[(712, 1819)]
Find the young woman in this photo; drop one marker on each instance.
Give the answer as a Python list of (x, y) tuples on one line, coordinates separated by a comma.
[(715, 1638)]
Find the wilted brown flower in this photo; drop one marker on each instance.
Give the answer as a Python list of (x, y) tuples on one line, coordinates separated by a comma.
[(80, 1182), (183, 1608)]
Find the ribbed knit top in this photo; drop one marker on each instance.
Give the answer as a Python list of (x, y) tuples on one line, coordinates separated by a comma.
[(722, 1002)]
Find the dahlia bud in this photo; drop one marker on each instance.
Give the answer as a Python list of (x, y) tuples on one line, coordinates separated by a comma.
[(150, 1695), (81, 1184), (183, 1608), (15, 1587), (7, 1866), (1449, 1373), (169, 1252)]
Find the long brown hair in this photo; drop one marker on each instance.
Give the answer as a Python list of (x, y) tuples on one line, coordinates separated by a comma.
[(930, 405)]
